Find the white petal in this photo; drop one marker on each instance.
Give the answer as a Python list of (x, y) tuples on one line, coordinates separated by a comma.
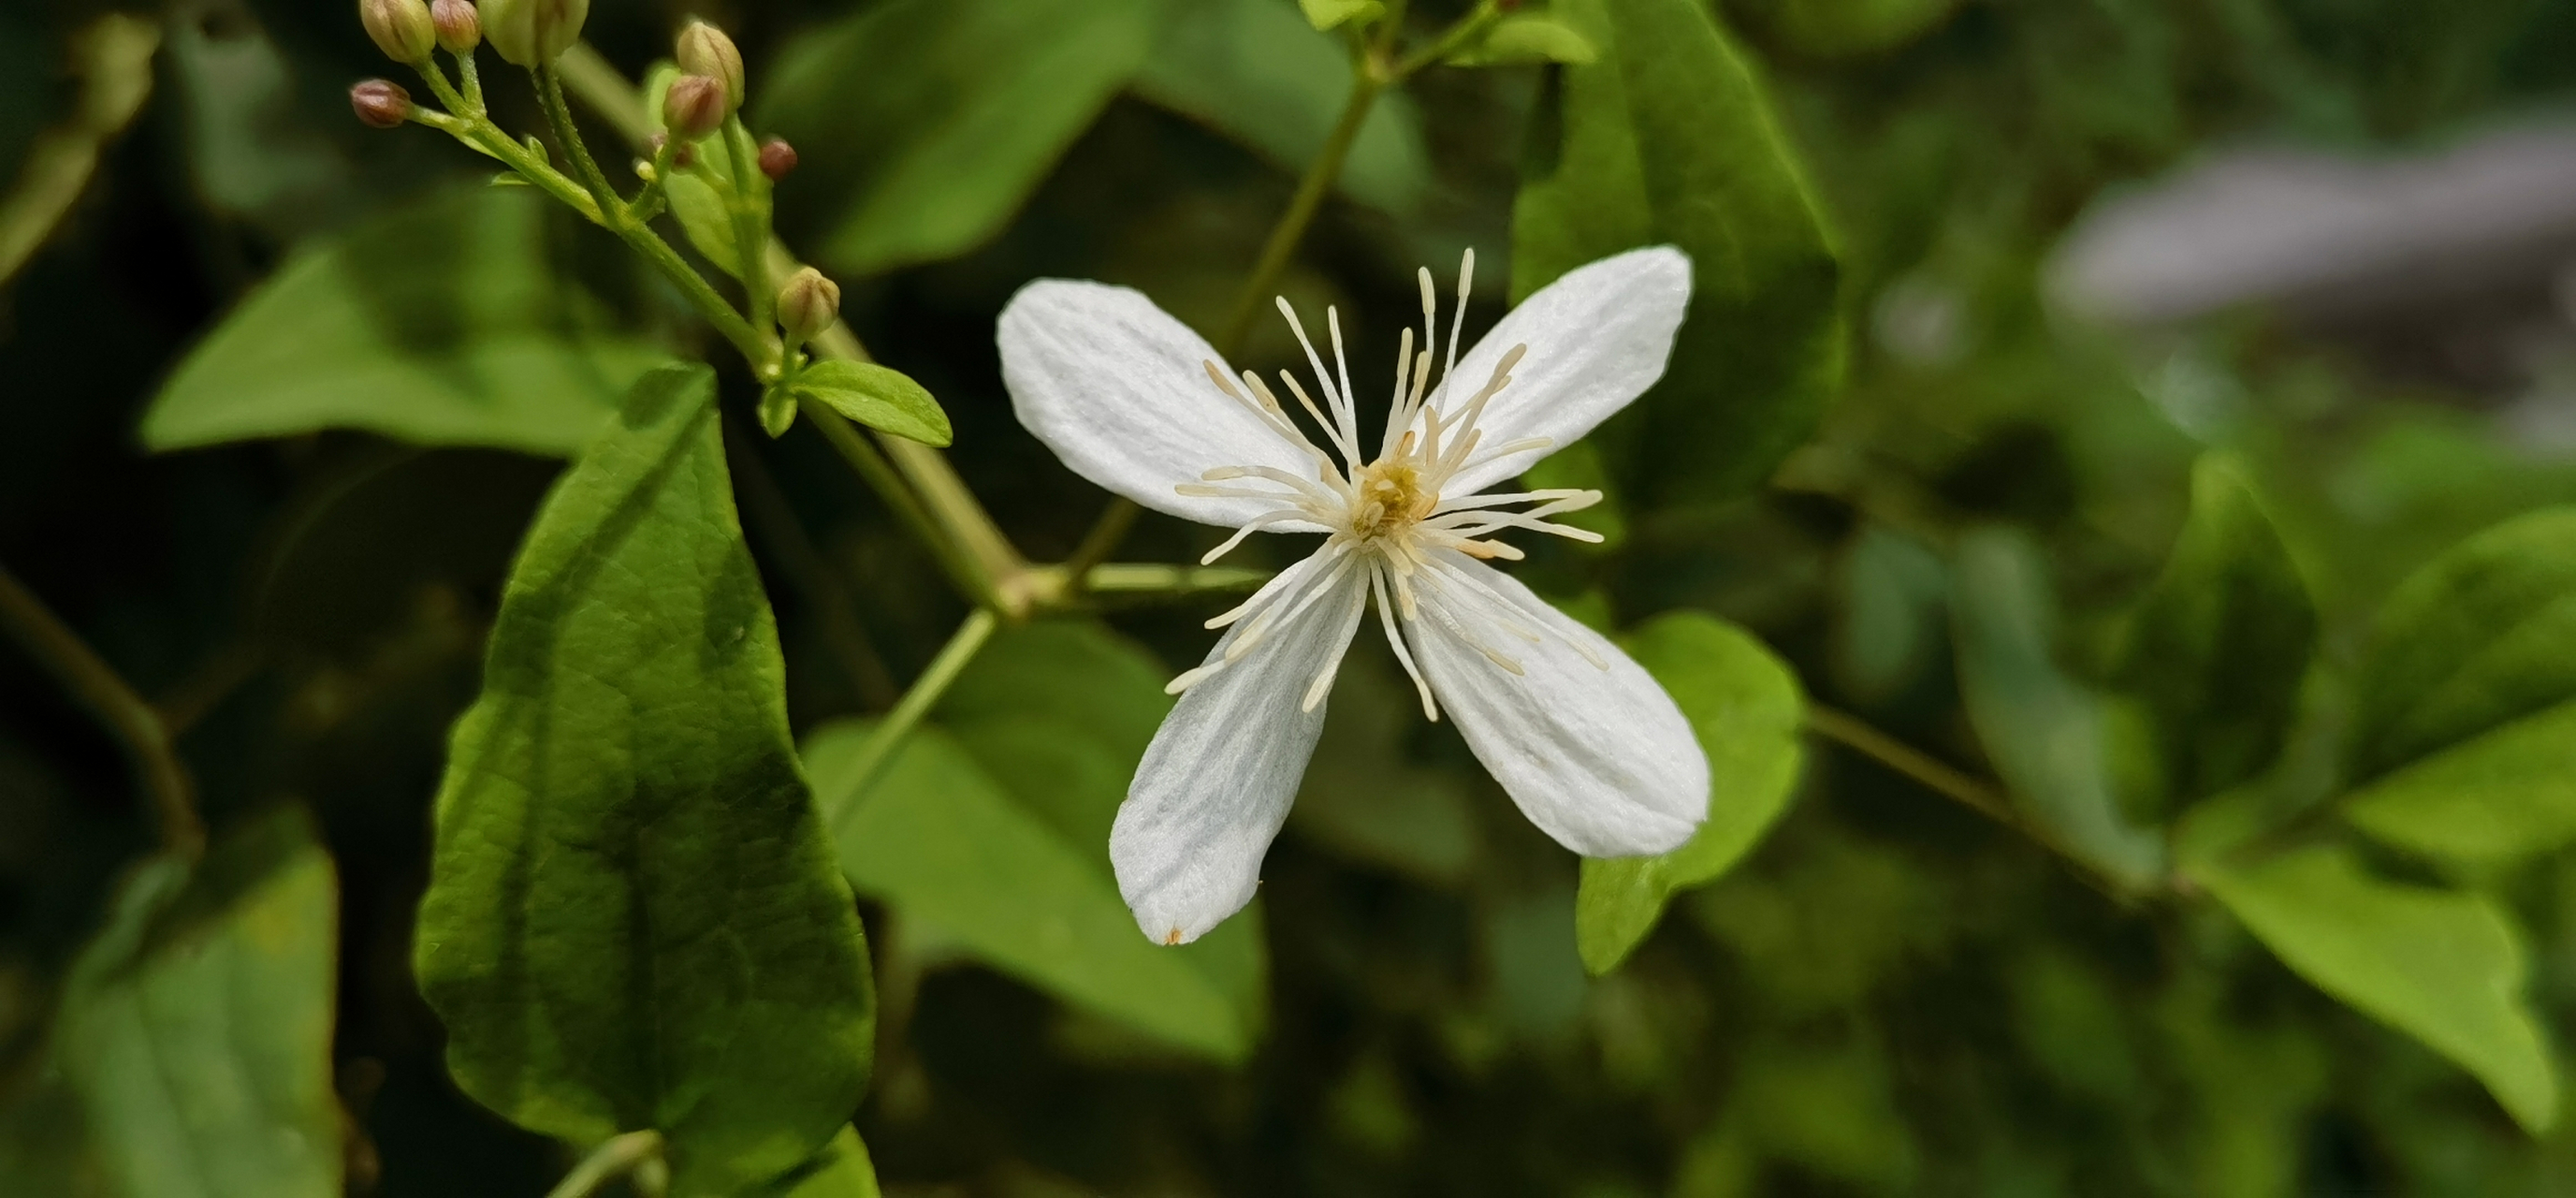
[(1598, 758), (1598, 337), (1216, 782), (1119, 390)]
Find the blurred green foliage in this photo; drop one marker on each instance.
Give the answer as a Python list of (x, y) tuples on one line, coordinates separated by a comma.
[(2232, 575)]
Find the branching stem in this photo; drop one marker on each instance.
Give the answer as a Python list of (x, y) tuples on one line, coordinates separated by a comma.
[(621, 1156), (97, 687)]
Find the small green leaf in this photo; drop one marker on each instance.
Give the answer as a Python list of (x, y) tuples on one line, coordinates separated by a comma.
[(1252, 71), (1326, 15), (937, 837), (633, 919), (2494, 799), (1668, 138), (879, 397), (2047, 734), (2446, 967), (442, 323), (1524, 38), (2221, 643), (2483, 635), (196, 1029), (1745, 708), (700, 210), (777, 409), (841, 1170), (923, 125)]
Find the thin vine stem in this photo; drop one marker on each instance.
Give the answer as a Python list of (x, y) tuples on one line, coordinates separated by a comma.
[(133, 722), (916, 703), (1949, 782), (619, 1157), (993, 572)]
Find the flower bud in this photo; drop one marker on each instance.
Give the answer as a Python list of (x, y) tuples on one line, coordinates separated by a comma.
[(533, 33), (808, 304), (400, 28), (381, 103), (777, 158), (683, 158), (705, 50), (694, 107), (460, 28)]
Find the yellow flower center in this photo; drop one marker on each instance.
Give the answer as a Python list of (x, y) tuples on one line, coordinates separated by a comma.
[(1391, 497)]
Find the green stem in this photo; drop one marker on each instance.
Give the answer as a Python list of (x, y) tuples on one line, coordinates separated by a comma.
[(559, 115), (1366, 82), (862, 454), (750, 211), (916, 703), (956, 526), (619, 1157), (1943, 779), (97, 687)]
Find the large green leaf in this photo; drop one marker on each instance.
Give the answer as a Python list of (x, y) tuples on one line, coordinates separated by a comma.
[(1255, 71), (2495, 798), (1669, 138), (196, 1029), (937, 837), (2482, 636), (841, 1170), (633, 917), (2219, 647), (447, 322), (2446, 967), (924, 124), (2047, 734), (1745, 708)]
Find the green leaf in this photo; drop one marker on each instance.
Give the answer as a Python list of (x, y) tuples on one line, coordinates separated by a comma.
[(923, 125), (443, 323), (2483, 635), (2047, 734), (196, 1029), (841, 1170), (1325, 15), (2445, 967), (1745, 708), (879, 397), (1833, 28), (2221, 643), (1524, 38), (633, 919), (2492, 800), (1251, 70), (1669, 138), (1059, 712), (937, 837)]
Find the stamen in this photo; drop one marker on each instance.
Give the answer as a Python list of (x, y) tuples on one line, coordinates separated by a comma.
[(1386, 619), (1332, 429), (1312, 358), (1345, 406), (1323, 683), (1282, 516), (1458, 322)]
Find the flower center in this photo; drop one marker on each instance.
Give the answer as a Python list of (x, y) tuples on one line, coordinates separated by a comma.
[(1396, 525), (1391, 498)]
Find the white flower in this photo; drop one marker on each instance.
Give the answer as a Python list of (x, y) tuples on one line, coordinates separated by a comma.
[(1587, 744)]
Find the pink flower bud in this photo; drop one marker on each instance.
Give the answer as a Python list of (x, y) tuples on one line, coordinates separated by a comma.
[(381, 103), (694, 107), (777, 158), (460, 28)]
